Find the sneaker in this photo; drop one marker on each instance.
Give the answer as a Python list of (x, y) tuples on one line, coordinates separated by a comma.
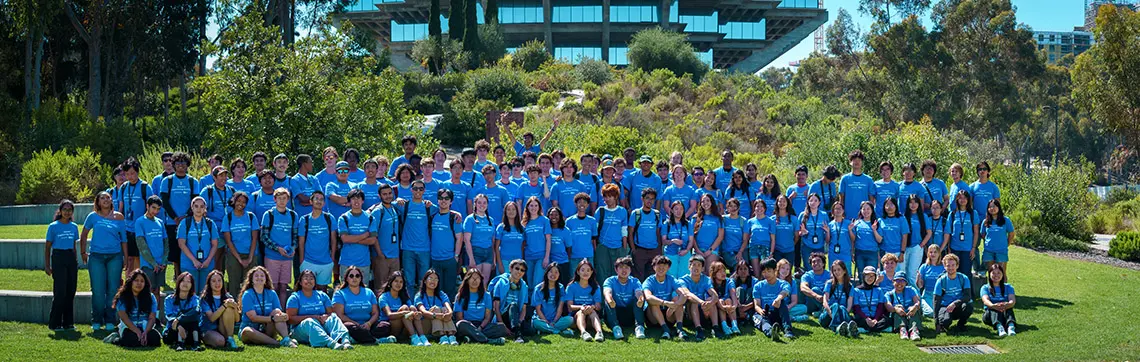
[(1000, 331), (852, 329), (425, 341), (230, 342), (416, 341), (788, 332), (179, 347), (914, 334), (199, 348), (665, 333), (450, 340), (903, 334), (725, 328), (756, 320), (337, 346), (617, 333), (96, 327), (586, 337), (681, 334), (567, 332), (386, 340), (735, 328), (639, 332), (109, 326), (599, 337), (497, 341), (1009, 331), (288, 342), (700, 334), (519, 339), (841, 329)]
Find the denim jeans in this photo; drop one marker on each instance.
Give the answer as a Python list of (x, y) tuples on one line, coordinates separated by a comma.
[(534, 271), (106, 271), (912, 259), (789, 256), (320, 335), (838, 316), (773, 316), (616, 315), (199, 276), (415, 264), (559, 325), (447, 270), (964, 262), (864, 258)]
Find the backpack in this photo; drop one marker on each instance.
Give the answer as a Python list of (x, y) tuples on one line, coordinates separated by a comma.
[(343, 218), (265, 236), (637, 221), (230, 218), (452, 214), (193, 185), (601, 219), (328, 221), (209, 224), (212, 190)]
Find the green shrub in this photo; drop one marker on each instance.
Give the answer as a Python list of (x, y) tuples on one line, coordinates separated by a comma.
[(553, 76), (1125, 246), (594, 71), (1119, 194), (501, 84), (494, 43), (1106, 220), (549, 99), (150, 161), (531, 55), (1034, 238), (426, 104), (660, 49), (52, 176), (1060, 193)]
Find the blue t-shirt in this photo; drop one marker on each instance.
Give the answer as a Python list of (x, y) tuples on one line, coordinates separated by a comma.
[(723, 177), (481, 229), (998, 294), (63, 236), (855, 189), (316, 304), (799, 203), (638, 182), (884, 190), (664, 290), (209, 305), (578, 295), (760, 231), (996, 237), (613, 222), (867, 300), (198, 236), (415, 236), (865, 236), (815, 224), (911, 188), (352, 254), (281, 232), (683, 194), (244, 185), (497, 198), (699, 287), (960, 226), (139, 317), (564, 191), (107, 235), (679, 231), (155, 234), (302, 184), (521, 149), (840, 245), (324, 177), (431, 191), (937, 190), (261, 202), (357, 307), (536, 232), (785, 232), (525, 191), (317, 242), (816, 282), (717, 196), (133, 197), (937, 228), (385, 224), (173, 309), (745, 199), (929, 275), (551, 304), (401, 160), (507, 293), (951, 290), (510, 243), (371, 193), (461, 192), (954, 188), (983, 193), (240, 227), (769, 203), (838, 295), (710, 228), (181, 191), (904, 299), (338, 189), (827, 193), (261, 304), (156, 186), (644, 224), (217, 201), (915, 227), (392, 302), (428, 301), (560, 239), (624, 295), (474, 308), (733, 233), (443, 238), (765, 293), (892, 230), (582, 232)]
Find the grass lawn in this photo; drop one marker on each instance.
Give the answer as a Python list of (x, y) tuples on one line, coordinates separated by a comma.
[(23, 231), (38, 281), (1068, 310)]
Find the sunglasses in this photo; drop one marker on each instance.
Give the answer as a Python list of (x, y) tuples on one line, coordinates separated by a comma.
[(983, 169), (341, 171), (520, 269), (445, 198), (354, 276), (417, 189), (183, 163), (165, 160), (698, 174)]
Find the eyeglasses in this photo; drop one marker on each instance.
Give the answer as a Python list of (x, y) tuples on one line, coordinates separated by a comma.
[(182, 163), (445, 198), (520, 269), (983, 169), (341, 171), (417, 189), (354, 276)]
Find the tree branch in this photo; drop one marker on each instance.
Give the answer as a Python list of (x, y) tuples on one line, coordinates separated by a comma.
[(67, 4)]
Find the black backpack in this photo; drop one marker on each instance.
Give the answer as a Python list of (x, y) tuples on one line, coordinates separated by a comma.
[(265, 235), (452, 214), (637, 221), (209, 224), (193, 185), (211, 190), (230, 218)]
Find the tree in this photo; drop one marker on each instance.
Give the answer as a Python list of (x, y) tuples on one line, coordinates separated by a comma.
[(455, 21), (779, 78), (471, 42), (660, 49), (31, 20), (491, 12), (435, 34), (1106, 84), (880, 10)]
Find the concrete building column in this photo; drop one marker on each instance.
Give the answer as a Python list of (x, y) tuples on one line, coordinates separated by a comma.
[(606, 30), (547, 32)]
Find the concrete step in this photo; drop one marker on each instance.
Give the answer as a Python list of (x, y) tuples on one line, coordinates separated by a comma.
[(35, 307)]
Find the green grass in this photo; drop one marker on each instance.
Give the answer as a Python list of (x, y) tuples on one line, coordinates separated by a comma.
[(37, 280), (23, 231), (1068, 310)]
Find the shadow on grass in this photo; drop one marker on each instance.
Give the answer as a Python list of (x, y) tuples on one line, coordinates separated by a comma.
[(1032, 303), (67, 335)]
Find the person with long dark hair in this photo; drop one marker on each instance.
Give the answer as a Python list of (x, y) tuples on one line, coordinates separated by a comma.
[(219, 313), (840, 247), (837, 301), (561, 239), (549, 302), (397, 309), (961, 236), (708, 229), (510, 236), (105, 261), (738, 188), (183, 315), (999, 299), (137, 309), (677, 236), (357, 307), (865, 233), (733, 250), (435, 307), (786, 226), (584, 296), (769, 192), (997, 232), (312, 318), (814, 231), (241, 232), (894, 230), (921, 233), (473, 311), (728, 302), (262, 319), (60, 264)]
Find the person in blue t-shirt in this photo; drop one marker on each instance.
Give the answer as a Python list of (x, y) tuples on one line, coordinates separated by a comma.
[(137, 309), (409, 146), (724, 173), (812, 283), (624, 303), (893, 228), (706, 187), (760, 237), (398, 310), (565, 191), (769, 192), (176, 191), (61, 265), (799, 192), (241, 231), (701, 297), (826, 187), (220, 311), (864, 233), (561, 239), (316, 240), (583, 230), (302, 185), (510, 235), (735, 224), (537, 241), (999, 299), (935, 188), (527, 144), (357, 307), (957, 172), (961, 235), (927, 277), (770, 296), (666, 302), (885, 187), (431, 184), (856, 187), (867, 304), (446, 240), (840, 247), (131, 198), (238, 178), (953, 297), (708, 229), (741, 190), (262, 319), (497, 195), (336, 202), (509, 292), (984, 189), (183, 315), (837, 301), (677, 236), (613, 232), (680, 191), (921, 232), (905, 304), (218, 197), (997, 232), (311, 316), (278, 232), (728, 300), (473, 312), (814, 232), (370, 184), (786, 227), (535, 186), (549, 303), (911, 186), (645, 234), (435, 307), (198, 241), (584, 298), (479, 233), (415, 243)]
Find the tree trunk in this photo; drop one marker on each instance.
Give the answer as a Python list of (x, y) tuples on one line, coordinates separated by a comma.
[(94, 75), (37, 67), (182, 93), (166, 101)]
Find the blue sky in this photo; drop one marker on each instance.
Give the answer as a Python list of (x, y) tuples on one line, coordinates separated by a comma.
[(1055, 15)]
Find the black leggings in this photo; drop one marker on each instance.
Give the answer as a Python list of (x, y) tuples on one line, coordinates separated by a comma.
[(129, 339), (190, 325), (367, 336), (64, 272), (994, 318)]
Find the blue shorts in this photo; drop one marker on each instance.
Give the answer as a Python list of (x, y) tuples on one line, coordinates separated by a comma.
[(1000, 257), (483, 256), (324, 272), (759, 252), (256, 326)]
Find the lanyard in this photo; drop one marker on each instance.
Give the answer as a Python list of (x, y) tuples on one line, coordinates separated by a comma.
[(870, 297), (814, 223), (199, 224), (260, 302), (128, 206)]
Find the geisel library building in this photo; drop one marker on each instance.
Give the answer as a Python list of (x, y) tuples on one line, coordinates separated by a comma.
[(733, 35)]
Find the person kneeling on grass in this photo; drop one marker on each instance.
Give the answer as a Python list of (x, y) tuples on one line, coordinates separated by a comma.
[(998, 296), (770, 295), (585, 298), (906, 306), (262, 319), (549, 304), (435, 306), (137, 308), (182, 315), (509, 292), (312, 318), (952, 296), (868, 305), (666, 302), (624, 300), (702, 299)]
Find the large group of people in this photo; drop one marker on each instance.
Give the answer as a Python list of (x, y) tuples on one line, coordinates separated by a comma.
[(482, 247)]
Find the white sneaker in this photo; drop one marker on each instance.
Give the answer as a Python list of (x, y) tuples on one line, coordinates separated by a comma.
[(903, 335), (1001, 331), (586, 336), (1009, 331), (599, 337), (914, 334), (639, 332), (617, 333), (425, 340)]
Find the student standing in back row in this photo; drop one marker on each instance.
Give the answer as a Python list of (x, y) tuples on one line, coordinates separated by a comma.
[(60, 264), (176, 190), (241, 231), (856, 187), (132, 204)]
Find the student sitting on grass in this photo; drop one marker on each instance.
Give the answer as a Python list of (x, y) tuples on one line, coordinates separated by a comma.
[(837, 301), (702, 299), (397, 309), (585, 298), (928, 275), (473, 311), (435, 307), (903, 302), (998, 297), (136, 310), (182, 315), (796, 310), (624, 301), (868, 304), (770, 295), (953, 297), (549, 303), (728, 302), (666, 302), (219, 313), (311, 315), (742, 282), (262, 319)]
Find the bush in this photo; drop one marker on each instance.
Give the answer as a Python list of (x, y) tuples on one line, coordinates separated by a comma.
[(593, 71), (1106, 220), (501, 84), (1125, 246), (531, 55), (1034, 238), (52, 176), (659, 49), (1119, 194), (494, 44), (1059, 193)]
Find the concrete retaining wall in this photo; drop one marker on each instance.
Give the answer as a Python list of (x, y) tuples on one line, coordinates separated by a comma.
[(22, 254), (37, 214), (35, 307)]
